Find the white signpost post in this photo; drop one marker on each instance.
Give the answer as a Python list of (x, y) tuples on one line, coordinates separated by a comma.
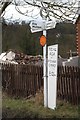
[(52, 75)]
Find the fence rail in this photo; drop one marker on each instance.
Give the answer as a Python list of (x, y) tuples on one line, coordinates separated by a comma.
[(26, 80)]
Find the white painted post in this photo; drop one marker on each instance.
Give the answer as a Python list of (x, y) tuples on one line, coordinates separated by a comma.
[(45, 74)]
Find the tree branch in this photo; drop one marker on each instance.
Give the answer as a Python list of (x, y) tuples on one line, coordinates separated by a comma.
[(4, 6)]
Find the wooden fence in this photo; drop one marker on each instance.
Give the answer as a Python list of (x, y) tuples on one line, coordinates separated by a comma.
[(26, 80), (68, 85), (22, 80)]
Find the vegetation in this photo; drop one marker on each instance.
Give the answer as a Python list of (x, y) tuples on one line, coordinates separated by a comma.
[(19, 37), (34, 108)]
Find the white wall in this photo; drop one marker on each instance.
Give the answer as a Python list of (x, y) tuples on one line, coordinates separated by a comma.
[(72, 61)]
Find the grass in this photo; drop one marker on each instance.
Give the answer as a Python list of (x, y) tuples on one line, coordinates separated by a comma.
[(34, 108)]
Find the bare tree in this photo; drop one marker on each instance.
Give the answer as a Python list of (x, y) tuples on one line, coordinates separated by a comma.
[(60, 10), (3, 5)]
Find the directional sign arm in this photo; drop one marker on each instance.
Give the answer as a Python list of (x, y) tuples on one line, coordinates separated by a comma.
[(43, 25)]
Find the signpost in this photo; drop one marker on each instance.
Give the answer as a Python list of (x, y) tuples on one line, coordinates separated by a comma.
[(52, 75), (43, 26)]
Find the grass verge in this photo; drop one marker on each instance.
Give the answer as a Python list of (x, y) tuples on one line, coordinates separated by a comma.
[(34, 108)]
